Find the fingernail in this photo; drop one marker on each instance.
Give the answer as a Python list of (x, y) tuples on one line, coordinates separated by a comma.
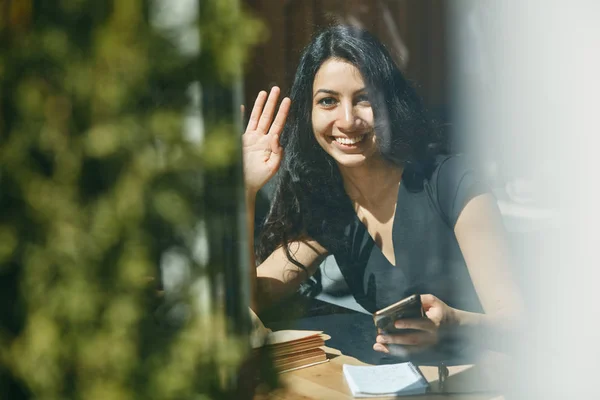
[(399, 324), (380, 347), (381, 339)]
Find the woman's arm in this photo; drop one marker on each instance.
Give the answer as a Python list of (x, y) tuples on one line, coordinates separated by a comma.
[(482, 239), (262, 156), (250, 214), (277, 277)]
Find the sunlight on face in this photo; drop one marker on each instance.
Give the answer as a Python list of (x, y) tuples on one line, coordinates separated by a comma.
[(342, 117)]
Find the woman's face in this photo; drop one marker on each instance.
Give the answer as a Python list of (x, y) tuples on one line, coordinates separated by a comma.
[(342, 117)]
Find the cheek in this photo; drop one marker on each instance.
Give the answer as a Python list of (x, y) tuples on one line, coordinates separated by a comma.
[(319, 123), (366, 115)]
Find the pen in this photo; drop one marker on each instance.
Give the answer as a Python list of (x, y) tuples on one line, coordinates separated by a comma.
[(442, 375)]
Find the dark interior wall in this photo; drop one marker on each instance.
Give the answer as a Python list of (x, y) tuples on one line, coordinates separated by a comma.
[(413, 31)]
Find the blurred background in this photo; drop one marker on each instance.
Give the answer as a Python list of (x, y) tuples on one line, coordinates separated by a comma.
[(415, 32), (120, 184), (122, 249)]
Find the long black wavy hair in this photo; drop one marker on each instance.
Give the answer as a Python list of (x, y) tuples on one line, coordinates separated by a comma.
[(309, 199)]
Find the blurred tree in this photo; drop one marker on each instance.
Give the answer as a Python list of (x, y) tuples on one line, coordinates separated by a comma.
[(99, 186)]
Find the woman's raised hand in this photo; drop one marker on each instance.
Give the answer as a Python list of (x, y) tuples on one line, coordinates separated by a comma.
[(260, 143)]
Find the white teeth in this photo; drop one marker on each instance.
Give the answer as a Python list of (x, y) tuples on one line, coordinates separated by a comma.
[(350, 140)]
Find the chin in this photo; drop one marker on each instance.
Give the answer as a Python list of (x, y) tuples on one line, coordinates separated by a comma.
[(351, 160)]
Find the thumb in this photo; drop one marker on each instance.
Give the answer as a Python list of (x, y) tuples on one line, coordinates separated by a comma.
[(428, 301), (274, 144), (276, 150)]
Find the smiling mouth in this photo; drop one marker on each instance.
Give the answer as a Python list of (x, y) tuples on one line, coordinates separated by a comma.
[(350, 141)]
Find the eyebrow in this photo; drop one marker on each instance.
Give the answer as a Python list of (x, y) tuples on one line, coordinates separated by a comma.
[(333, 92)]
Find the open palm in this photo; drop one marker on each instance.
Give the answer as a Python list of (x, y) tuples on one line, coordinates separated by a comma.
[(260, 143)]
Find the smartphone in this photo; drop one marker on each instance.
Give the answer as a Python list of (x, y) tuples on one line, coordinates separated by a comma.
[(409, 307)]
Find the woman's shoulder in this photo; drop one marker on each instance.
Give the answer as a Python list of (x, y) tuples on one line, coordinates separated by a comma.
[(447, 167), (454, 180), (442, 167)]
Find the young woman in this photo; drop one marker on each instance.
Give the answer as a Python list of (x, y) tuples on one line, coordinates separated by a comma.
[(361, 177)]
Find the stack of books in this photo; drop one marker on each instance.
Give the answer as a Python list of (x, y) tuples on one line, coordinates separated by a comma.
[(291, 349)]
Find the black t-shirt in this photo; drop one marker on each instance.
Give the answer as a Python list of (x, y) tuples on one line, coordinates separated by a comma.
[(428, 258)]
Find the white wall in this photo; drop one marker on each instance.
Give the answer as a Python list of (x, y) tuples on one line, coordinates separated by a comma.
[(528, 92)]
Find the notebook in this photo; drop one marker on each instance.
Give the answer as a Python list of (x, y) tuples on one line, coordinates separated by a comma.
[(401, 379), (289, 349)]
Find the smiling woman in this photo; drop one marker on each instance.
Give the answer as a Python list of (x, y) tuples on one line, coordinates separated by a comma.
[(361, 176)]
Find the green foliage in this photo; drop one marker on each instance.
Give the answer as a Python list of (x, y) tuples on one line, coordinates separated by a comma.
[(97, 184), (225, 41)]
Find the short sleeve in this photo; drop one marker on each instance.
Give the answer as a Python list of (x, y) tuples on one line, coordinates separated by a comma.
[(455, 182)]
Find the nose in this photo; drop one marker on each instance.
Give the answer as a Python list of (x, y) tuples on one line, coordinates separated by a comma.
[(347, 118)]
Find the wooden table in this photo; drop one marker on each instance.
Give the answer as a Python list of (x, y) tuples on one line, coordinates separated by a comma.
[(326, 381)]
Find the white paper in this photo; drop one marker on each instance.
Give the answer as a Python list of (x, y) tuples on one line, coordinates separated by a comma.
[(384, 380)]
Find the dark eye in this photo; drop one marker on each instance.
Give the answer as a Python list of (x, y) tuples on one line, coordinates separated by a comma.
[(363, 98), (327, 102)]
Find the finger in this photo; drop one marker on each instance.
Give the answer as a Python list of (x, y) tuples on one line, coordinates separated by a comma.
[(281, 117), (257, 110), (422, 324), (380, 347), (274, 145), (267, 113), (428, 300), (407, 339), (242, 112), (398, 350)]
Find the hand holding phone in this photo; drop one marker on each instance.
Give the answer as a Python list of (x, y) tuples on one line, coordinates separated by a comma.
[(421, 318), (409, 307)]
